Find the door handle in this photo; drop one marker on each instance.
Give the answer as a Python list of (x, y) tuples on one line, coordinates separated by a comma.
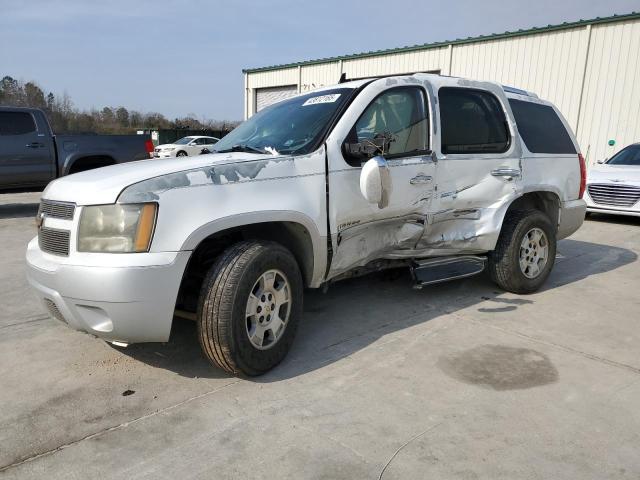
[(34, 145), (506, 172), (420, 179)]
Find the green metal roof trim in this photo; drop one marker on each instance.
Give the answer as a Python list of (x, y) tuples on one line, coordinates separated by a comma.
[(458, 41)]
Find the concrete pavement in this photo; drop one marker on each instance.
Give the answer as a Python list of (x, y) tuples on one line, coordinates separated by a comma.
[(459, 380)]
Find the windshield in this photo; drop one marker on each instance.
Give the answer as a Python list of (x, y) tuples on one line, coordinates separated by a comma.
[(626, 156), (290, 126), (183, 141)]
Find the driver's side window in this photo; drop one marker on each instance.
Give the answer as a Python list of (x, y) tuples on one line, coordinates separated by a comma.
[(398, 117)]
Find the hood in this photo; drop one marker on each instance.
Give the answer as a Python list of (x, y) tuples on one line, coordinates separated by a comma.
[(614, 174), (167, 145), (103, 185)]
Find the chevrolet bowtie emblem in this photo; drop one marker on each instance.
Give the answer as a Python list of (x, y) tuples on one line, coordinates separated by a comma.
[(39, 219)]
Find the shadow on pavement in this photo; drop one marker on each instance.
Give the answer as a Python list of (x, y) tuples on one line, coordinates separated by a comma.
[(355, 313)]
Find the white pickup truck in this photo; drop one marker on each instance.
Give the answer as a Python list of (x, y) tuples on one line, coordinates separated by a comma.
[(444, 176)]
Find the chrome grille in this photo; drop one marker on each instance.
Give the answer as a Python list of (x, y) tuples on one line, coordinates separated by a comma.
[(57, 209), (54, 241), (617, 195), (53, 310)]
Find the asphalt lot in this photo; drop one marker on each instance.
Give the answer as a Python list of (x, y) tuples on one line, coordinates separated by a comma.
[(454, 381)]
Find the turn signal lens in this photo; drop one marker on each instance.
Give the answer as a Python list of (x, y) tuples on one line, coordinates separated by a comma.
[(145, 227)]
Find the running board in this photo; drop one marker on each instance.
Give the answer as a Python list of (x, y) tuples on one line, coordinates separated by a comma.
[(436, 270)]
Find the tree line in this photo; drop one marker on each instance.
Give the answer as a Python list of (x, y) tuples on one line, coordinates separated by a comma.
[(65, 118)]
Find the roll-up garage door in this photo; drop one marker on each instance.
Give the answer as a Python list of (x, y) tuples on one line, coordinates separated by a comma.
[(268, 96)]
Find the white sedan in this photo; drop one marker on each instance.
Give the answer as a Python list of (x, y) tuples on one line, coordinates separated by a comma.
[(613, 186), (186, 146)]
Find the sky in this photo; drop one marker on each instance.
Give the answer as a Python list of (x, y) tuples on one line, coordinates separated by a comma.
[(186, 57)]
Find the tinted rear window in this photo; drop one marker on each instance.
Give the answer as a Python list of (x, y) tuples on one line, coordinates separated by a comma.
[(16, 123), (541, 128)]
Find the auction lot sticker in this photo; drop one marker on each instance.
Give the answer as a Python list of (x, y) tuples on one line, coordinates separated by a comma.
[(322, 99)]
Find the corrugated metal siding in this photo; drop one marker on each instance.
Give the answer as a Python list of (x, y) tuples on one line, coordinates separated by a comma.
[(611, 99), (315, 76), (550, 63), (273, 78), (409, 62)]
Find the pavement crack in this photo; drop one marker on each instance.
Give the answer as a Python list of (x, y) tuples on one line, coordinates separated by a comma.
[(404, 445), (115, 427), (29, 320)]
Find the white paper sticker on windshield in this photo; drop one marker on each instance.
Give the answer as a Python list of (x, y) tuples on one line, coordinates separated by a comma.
[(322, 99)]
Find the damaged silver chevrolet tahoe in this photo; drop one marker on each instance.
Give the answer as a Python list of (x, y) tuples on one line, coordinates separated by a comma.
[(444, 176)]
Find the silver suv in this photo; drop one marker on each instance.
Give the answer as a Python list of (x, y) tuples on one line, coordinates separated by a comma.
[(444, 176)]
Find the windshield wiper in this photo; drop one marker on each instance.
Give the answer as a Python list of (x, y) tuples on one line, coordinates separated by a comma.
[(242, 148)]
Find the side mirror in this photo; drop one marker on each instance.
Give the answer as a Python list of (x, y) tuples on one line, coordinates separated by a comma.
[(375, 181), (602, 161)]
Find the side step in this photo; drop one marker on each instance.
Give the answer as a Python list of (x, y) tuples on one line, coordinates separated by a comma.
[(436, 270)]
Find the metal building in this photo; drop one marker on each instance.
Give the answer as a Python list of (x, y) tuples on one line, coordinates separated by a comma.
[(590, 69)]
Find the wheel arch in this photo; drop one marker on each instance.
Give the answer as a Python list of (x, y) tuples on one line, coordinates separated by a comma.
[(545, 200), (87, 162), (292, 230)]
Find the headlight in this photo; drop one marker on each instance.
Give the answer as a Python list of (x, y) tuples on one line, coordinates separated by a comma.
[(169, 149), (119, 228)]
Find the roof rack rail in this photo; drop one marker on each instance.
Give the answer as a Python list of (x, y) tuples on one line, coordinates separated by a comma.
[(518, 91)]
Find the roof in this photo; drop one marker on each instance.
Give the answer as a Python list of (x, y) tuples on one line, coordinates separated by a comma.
[(458, 41)]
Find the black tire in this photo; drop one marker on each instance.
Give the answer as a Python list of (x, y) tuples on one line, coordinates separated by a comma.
[(181, 153), (222, 321), (504, 267)]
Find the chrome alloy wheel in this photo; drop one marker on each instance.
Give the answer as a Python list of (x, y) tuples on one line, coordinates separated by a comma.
[(268, 309), (534, 253)]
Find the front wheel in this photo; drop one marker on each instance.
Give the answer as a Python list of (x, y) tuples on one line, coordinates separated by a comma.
[(525, 252), (181, 154), (249, 307)]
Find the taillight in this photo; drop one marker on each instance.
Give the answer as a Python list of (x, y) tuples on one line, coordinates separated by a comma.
[(583, 175), (148, 145)]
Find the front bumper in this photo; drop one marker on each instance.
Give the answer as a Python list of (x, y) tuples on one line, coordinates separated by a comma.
[(571, 217), (164, 154), (128, 304)]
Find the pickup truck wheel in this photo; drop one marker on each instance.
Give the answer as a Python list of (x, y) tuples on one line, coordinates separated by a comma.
[(525, 252), (181, 154), (249, 308)]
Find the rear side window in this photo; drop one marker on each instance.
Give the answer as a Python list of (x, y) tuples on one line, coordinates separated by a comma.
[(16, 123), (541, 128), (472, 122)]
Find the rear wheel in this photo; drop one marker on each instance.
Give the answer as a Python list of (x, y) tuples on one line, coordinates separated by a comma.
[(249, 307), (525, 252)]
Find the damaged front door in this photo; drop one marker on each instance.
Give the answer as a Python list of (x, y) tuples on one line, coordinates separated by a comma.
[(364, 231)]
